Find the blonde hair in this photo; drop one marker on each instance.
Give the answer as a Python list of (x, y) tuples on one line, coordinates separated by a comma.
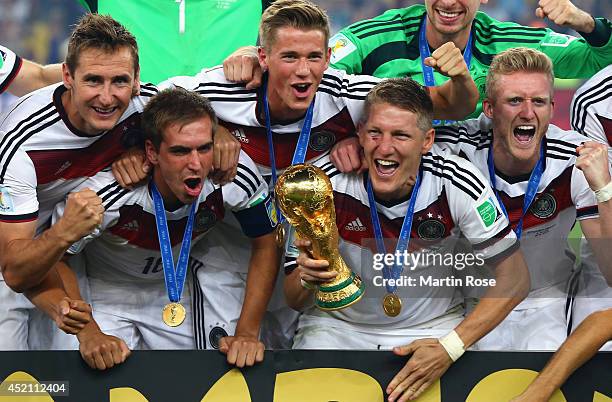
[(299, 14), (515, 60)]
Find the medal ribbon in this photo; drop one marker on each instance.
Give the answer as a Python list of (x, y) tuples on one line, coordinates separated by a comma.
[(532, 186), (299, 156), (404, 236), (175, 280), (428, 72)]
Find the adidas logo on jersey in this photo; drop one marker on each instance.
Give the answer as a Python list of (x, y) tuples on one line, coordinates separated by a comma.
[(240, 136), (131, 226), (355, 226)]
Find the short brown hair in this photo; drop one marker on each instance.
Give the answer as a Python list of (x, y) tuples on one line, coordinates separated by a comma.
[(95, 31), (299, 14), (174, 105), (404, 93), (515, 60)]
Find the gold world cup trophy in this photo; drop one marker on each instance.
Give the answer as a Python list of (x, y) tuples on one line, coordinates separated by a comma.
[(306, 199)]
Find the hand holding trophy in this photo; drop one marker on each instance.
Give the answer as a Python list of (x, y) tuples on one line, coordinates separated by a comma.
[(305, 197)]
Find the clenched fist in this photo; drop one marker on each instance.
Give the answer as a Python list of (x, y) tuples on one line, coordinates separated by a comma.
[(564, 13), (83, 213), (448, 60), (593, 161)]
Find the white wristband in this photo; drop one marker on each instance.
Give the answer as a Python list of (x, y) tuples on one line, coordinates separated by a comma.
[(453, 344), (604, 193)]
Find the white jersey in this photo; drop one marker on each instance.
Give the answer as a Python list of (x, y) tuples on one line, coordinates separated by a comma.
[(337, 109), (43, 156), (338, 105), (127, 247), (451, 195), (10, 64), (563, 196), (591, 108)]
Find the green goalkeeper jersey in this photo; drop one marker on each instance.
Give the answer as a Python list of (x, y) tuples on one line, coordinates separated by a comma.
[(175, 39), (388, 46)]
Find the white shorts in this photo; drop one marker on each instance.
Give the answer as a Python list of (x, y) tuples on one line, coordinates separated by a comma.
[(132, 311), (325, 336), (23, 327), (218, 298), (540, 328), (593, 295)]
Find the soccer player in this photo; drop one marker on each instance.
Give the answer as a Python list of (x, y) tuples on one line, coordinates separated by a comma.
[(126, 264), (395, 43), (19, 76), (575, 351), (591, 108), (285, 115), (417, 191), (546, 179), (591, 115), (186, 29), (50, 143)]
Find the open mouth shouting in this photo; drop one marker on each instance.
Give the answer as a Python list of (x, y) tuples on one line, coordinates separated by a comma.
[(193, 186), (301, 90), (386, 167), (524, 133)]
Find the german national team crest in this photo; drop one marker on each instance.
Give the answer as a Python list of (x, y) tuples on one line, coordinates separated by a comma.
[(481, 84), (544, 206), (322, 141), (215, 335), (431, 229), (205, 220)]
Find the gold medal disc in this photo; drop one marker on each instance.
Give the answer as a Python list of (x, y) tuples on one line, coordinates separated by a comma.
[(173, 314), (280, 235), (392, 305)]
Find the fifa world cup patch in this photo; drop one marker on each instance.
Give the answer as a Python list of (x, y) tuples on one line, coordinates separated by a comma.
[(341, 47), (487, 212), (6, 201), (558, 40)]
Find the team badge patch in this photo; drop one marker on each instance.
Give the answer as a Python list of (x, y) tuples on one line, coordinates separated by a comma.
[(341, 47), (215, 335), (321, 141), (6, 201), (272, 212), (2, 58), (487, 212), (544, 207), (431, 229), (205, 220), (558, 40)]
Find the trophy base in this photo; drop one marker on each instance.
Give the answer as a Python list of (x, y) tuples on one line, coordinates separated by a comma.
[(341, 295)]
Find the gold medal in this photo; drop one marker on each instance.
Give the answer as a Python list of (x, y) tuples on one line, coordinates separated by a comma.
[(280, 235), (173, 314), (392, 305)]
